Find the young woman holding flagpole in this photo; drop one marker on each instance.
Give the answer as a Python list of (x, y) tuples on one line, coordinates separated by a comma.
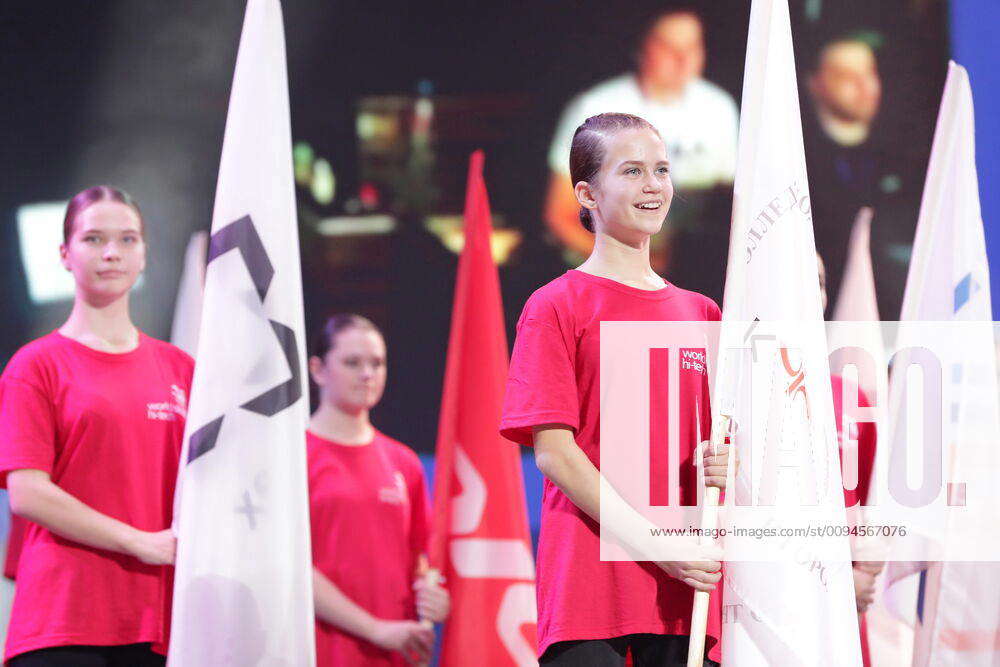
[(91, 424), (369, 512), (592, 612)]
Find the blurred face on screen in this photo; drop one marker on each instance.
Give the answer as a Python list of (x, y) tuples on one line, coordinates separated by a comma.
[(105, 252), (847, 84), (352, 375), (673, 53), (634, 190)]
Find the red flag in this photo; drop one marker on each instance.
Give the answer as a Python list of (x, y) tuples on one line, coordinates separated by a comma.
[(481, 541)]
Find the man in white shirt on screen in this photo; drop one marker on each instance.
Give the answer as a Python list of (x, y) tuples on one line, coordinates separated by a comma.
[(697, 119)]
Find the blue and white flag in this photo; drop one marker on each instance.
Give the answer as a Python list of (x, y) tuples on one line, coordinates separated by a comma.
[(953, 605)]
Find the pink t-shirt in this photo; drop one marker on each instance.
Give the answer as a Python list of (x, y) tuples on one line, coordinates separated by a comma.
[(369, 513), (554, 378), (108, 429), (15, 540)]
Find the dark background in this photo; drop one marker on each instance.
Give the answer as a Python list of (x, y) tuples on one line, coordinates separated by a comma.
[(134, 94)]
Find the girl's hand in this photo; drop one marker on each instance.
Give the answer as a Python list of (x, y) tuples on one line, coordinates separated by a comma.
[(433, 601), (872, 567), (159, 548), (864, 589), (715, 463), (699, 575), (411, 638)]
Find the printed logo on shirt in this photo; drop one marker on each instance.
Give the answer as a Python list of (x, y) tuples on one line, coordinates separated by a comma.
[(693, 359), (394, 495), (169, 410)]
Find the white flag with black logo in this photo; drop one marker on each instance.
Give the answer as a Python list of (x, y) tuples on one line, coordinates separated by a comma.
[(187, 309), (798, 607), (243, 588)]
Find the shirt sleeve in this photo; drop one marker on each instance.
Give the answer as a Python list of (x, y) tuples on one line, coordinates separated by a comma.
[(27, 427), (712, 311), (541, 382)]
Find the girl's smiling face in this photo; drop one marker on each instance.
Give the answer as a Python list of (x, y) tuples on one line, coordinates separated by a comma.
[(633, 191)]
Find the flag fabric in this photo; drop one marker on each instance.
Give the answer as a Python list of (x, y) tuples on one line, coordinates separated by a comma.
[(243, 582), (480, 537), (801, 610), (858, 330), (187, 310), (857, 304), (856, 300), (890, 639), (954, 605)]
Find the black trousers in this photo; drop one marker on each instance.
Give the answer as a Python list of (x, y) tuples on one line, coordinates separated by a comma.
[(647, 651), (129, 655)]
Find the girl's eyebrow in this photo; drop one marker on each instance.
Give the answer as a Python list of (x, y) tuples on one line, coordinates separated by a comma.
[(640, 163)]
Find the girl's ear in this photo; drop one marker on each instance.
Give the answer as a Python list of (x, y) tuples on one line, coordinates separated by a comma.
[(316, 370), (585, 195), (62, 256)]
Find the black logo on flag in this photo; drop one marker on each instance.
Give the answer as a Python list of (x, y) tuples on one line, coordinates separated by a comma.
[(242, 235)]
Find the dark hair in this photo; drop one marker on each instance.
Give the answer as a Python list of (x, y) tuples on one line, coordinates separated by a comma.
[(873, 39), (83, 199), (325, 338), (651, 19), (587, 152)]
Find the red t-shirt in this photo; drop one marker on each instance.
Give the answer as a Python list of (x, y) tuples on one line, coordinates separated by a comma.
[(108, 430), (369, 514), (865, 434), (15, 540), (554, 378)]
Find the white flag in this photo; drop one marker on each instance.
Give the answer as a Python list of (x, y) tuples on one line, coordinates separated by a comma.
[(857, 304), (857, 332), (799, 611), (857, 300), (190, 295), (890, 639), (243, 591), (956, 611)]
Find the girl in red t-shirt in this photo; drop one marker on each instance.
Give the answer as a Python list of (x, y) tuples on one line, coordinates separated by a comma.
[(593, 612), (369, 513), (91, 423)]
